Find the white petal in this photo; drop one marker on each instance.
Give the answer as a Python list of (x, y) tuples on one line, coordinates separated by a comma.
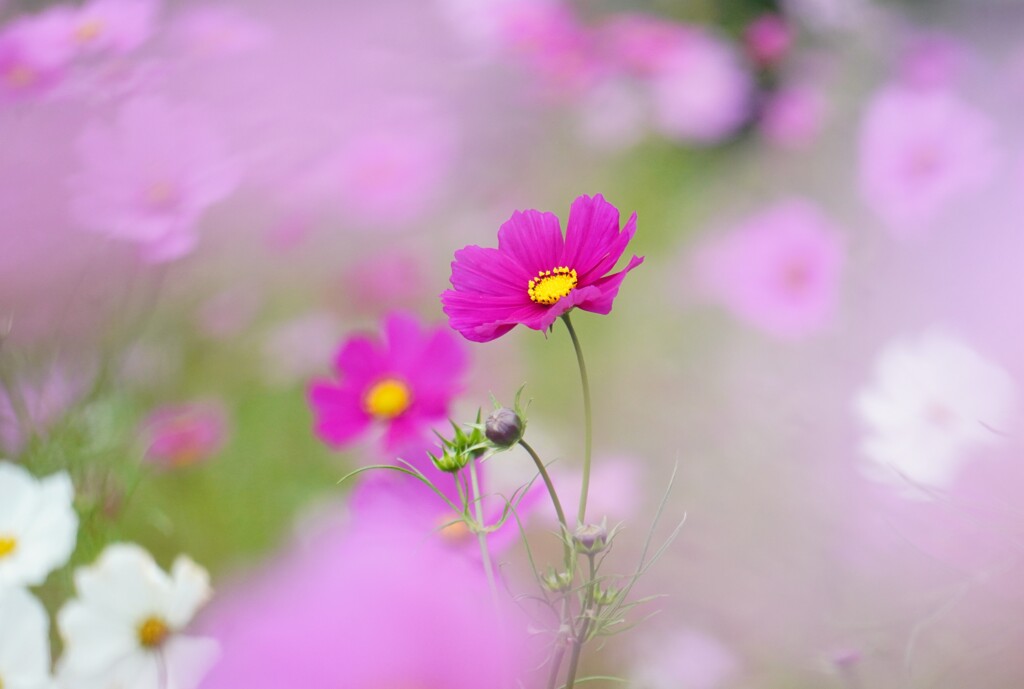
[(24, 640), (190, 590)]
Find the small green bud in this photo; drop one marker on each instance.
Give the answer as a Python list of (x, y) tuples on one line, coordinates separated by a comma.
[(451, 461), (557, 582), (591, 538), (606, 596), (504, 427)]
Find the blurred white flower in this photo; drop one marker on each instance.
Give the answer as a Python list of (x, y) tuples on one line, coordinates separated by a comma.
[(932, 400), (24, 641), (125, 628), (38, 525)]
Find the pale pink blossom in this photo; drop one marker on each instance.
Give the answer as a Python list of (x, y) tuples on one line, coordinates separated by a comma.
[(792, 116), (920, 153), (778, 270), (34, 54), (685, 658), (112, 26), (639, 44), (702, 91), (182, 435), (150, 175), (32, 406), (932, 59)]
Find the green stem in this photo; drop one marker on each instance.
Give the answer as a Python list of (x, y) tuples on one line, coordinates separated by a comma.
[(588, 420), (581, 637), (481, 536), (566, 533)]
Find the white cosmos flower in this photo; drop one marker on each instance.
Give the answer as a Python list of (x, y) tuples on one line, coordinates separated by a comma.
[(125, 629), (38, 525), (24, 641), (932, 401)]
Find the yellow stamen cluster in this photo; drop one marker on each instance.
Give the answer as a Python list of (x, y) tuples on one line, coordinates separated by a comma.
[(88, 30), (7, 545), (551, 285), (387, 399), (453, 529), (153, 632)]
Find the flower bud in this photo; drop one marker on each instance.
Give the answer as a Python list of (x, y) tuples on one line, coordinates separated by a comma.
[(451, 460), (591, 538), (557, 582), (607, 596), (504, 427)]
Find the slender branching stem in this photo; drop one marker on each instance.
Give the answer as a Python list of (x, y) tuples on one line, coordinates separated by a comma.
[(586, 615), (588, 420), (485, 554), (566, 533)]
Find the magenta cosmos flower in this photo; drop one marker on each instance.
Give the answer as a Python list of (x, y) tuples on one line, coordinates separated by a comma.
[(536, 275), (403, 383)]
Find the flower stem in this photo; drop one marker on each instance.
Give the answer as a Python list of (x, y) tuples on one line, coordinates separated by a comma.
[(485, 554), (588, 420), (584, 629), (554, 499)]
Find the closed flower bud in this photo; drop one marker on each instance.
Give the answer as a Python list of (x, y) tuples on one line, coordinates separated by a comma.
[(557, 582), (591, 538), (451, 461), (504, 427), (607, 596)]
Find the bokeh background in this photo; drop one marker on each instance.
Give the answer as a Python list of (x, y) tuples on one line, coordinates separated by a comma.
[(824, 340)]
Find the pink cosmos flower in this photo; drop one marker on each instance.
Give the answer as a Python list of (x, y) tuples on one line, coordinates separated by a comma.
[(34, 54), (792, 116), (403, 382), (549, 38), (778, 270), (112, 26), (920, 152), (768, 39), (932, 59), (150, 175), (184, 435), (701, 89), (536, 275), (368, 605), (640, 43)]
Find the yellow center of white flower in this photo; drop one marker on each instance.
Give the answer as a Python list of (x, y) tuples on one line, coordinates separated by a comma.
[(387, 399), (153, 632), (88, 30), (551, 285), (7, 546)]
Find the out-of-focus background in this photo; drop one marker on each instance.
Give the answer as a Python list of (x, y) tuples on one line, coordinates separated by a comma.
[(200, 201)]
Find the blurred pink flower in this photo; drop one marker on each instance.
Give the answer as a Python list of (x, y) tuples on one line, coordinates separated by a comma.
[(218, 30), (615, 488), (150, 175), (777, 270), (34, 54), (768, 39), (390, 174), (792, 116), (640, 43), (183, 435), (684, 658), (45, 401), (404, 382), (932, 400), (920, 152), (549, 38), (112, 26), (373, 605), (536, 274), (370, 284), (932, 59), (702, 91)]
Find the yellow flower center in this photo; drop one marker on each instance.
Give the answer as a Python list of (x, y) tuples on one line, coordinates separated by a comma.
[(551, 285), (88, 30), (153, 632), (453, 529), (7, 546), (387, 399), (20, 76)]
